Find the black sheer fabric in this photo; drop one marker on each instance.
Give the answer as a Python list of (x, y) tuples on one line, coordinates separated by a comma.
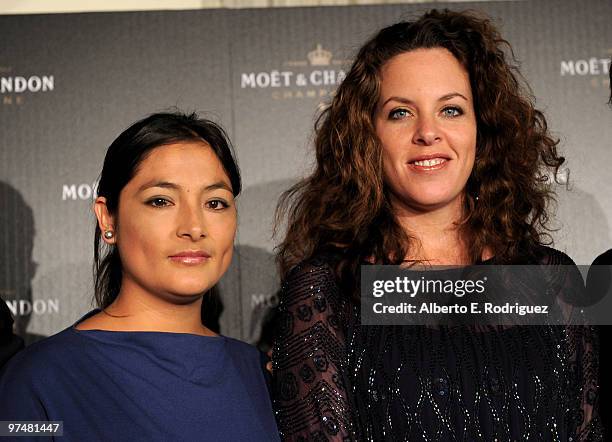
[(309, 357), (336, 380)]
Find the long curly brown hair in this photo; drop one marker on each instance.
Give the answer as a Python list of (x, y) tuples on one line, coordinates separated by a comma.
[(343, 207)]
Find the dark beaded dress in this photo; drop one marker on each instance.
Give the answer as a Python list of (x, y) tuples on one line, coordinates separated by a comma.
[(335, 380)]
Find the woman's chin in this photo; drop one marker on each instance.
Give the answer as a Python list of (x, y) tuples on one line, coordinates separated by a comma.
[(187, 295), (433, 201)]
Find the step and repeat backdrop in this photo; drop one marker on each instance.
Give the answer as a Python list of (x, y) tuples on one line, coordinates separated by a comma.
[(70, 83)]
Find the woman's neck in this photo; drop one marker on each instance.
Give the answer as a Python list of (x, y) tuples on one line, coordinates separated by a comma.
[(439, 239), (136, 310)]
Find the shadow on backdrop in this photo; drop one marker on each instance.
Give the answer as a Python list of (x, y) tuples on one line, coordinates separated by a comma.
[(18, 268), (259, 287), (259, 279)]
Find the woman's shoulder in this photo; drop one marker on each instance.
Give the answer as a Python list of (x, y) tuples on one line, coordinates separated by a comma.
[(562, 276), (545, 255), (39, 360), (248, 358), (323, 263), (32, 375), (314, 275), (241, 347)]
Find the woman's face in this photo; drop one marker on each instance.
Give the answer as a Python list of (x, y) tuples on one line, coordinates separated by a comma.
[(176, 223), (426, 123)]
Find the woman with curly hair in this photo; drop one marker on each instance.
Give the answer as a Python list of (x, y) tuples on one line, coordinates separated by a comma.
[(430, 152)]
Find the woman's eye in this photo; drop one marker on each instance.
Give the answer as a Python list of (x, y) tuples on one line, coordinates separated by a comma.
[(217, 205), (398, 114), (158, 202), (451, 112)]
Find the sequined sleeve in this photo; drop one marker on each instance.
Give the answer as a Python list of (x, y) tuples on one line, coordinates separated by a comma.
[(583, 346), (309, 357)]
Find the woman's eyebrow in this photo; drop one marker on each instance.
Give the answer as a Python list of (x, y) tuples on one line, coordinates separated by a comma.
[(218, 185), (451, 96), (445, 97), (158, 183), (398, 99), (174, 186)]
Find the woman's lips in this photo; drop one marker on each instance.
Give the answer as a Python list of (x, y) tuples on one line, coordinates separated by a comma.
[(190, 258), (429, 164)]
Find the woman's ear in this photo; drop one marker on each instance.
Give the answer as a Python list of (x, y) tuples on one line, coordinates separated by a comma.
[(106, 221)]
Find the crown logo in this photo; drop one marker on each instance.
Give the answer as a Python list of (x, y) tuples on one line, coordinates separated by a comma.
[(319, 57)]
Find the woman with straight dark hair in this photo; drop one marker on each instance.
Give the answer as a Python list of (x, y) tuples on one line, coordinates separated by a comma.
[(431, 153), (143, 366)]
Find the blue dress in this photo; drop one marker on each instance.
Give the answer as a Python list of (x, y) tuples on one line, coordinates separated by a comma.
[(133, 386)]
